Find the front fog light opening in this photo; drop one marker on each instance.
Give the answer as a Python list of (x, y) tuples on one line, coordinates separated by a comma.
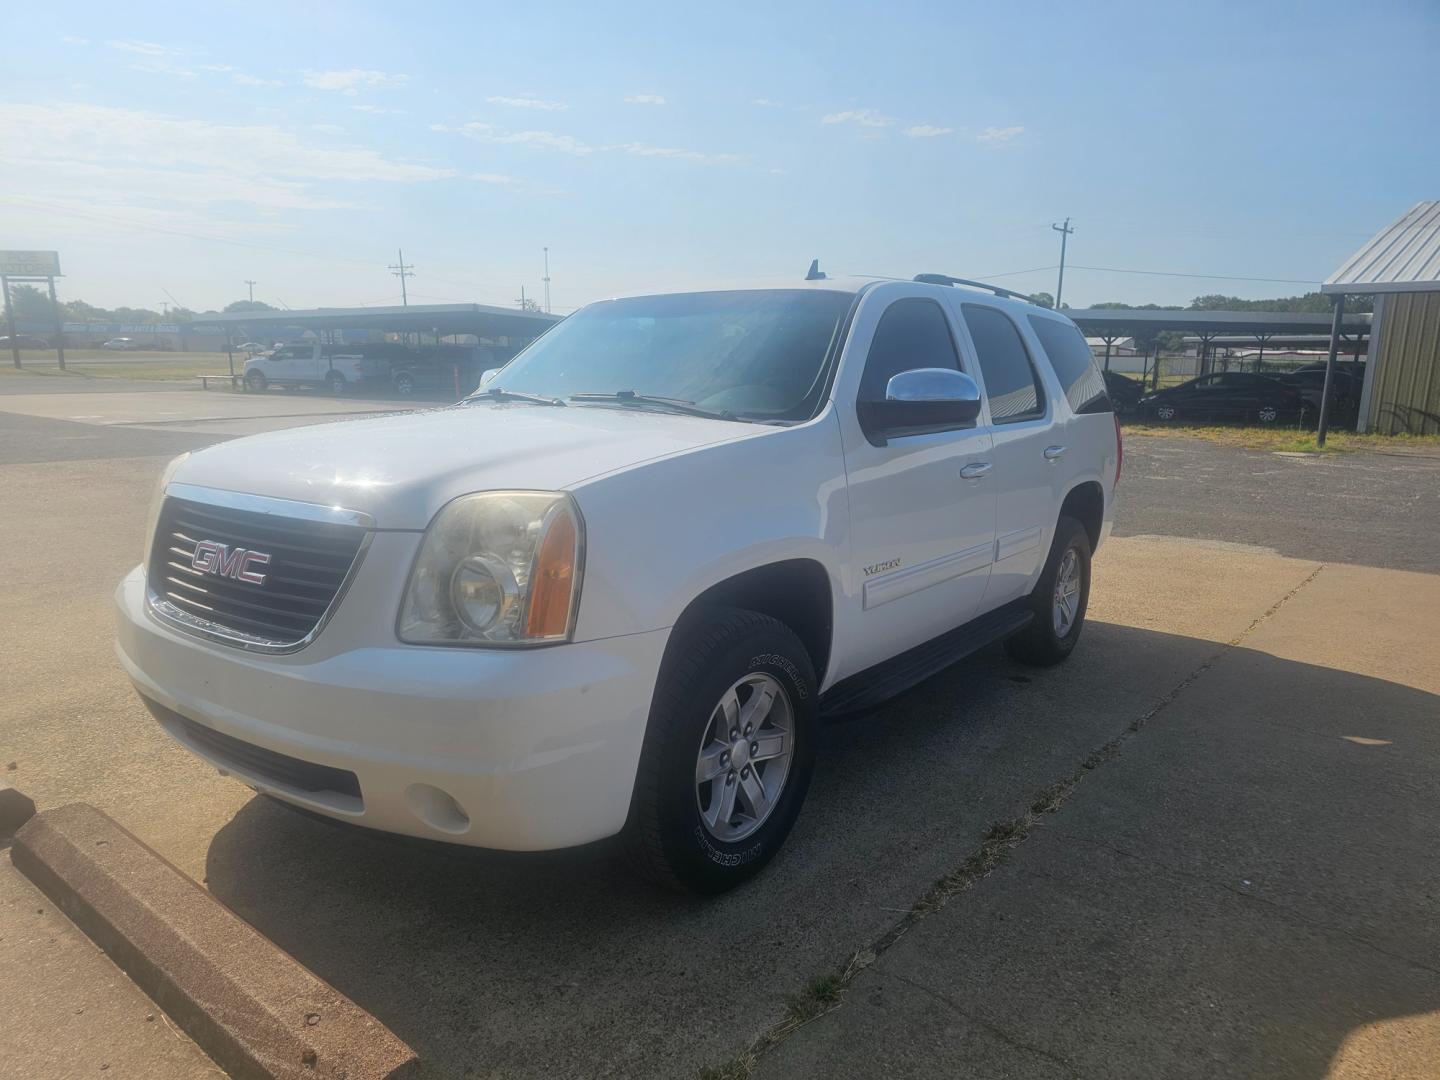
[(484, 592)]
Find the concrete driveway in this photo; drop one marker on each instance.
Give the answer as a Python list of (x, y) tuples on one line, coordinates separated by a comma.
[(1246, 873)]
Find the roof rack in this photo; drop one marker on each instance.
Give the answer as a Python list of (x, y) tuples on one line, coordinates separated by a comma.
[(946, 279)]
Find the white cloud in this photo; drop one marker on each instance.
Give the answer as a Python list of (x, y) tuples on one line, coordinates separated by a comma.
[(162, 67), (244, 78), (143, 48), (998, 136), (569, 144), (862, 117), (328, 129), (495, 178), (49, 135), (378, 111), (927, 131), (70, 39), (527, 103), (767, 103), (352, 80), (645, 99)]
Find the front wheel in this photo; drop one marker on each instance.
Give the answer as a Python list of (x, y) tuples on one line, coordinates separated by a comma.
[(1268, 414), (728, 754), (405, 384), (1058, 600), (335, 384), (1165, 412), (256, 382)]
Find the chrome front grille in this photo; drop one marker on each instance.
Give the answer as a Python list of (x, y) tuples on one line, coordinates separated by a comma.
[(254, 572)]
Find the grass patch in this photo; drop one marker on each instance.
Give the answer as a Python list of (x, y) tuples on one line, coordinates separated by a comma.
[(1288, 440), (96, 364)]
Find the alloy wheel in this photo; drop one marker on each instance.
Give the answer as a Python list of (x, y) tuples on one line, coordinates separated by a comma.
[(1065, 604), (744, 758)]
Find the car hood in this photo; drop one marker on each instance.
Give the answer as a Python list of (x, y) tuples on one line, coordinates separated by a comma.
[(400, 469)]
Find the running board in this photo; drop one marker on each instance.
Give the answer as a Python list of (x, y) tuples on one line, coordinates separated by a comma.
[(891, 678)]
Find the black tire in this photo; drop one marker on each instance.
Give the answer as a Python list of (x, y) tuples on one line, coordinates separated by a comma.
[(335, 384), (1174, 413), (256, 382), (1268, 414), (1039, 644), (405, 384), (666, 839)]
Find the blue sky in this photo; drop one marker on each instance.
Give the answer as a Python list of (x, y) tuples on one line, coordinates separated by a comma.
[(180, 150)]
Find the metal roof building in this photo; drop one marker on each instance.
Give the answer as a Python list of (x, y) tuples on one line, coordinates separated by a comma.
[(482, 320), (1400, 266)]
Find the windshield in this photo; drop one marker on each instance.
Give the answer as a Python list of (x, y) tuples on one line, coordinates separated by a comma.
[(759, 355)]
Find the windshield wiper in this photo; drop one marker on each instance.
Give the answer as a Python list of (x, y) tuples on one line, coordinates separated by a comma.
[(680, 405), (496, 393)]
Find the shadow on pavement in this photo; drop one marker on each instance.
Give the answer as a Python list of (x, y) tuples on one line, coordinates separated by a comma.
[(561, 964)]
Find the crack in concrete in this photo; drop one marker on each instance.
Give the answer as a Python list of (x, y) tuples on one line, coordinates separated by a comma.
[(994, 1029), (996, 846)]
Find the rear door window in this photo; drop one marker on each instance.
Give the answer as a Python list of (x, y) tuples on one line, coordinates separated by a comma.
[(1011, 381), (1073, 363)]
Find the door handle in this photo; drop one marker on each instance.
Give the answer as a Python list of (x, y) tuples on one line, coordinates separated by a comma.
[(975, 470), (1054, 453)]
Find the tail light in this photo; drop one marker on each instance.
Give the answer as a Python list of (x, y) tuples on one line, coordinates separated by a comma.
[(1119, 449)]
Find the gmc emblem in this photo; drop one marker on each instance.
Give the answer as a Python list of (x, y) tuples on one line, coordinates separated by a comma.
[(225, 561)]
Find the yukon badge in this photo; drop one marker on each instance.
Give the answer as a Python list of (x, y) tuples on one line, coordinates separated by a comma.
[(224, 561)]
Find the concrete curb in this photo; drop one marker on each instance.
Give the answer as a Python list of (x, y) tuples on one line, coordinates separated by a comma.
[(252, 1007), (16, 809)]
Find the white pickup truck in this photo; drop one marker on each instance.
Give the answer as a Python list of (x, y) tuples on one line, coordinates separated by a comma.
[(306, 363), (616, 590)]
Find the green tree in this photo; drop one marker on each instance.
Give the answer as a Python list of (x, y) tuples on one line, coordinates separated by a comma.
[(247, 305), (1044, 299), (30, 304)]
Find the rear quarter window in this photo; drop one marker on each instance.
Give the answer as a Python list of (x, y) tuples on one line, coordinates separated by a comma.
[(1073, 363)]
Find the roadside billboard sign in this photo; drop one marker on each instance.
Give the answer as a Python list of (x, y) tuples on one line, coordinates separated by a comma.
[(30, 263)]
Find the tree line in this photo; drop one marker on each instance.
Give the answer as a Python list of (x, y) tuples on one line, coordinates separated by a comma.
[(31, 304)]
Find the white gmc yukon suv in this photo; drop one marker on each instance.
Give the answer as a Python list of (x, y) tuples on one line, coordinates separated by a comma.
[(616, 590)]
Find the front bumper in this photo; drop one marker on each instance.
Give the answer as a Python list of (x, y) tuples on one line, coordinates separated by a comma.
[(522, 749)]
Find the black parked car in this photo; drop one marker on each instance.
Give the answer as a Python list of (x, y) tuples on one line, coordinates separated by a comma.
[(1227, 395), (1310, 381), (24, 341), (1125, 392)]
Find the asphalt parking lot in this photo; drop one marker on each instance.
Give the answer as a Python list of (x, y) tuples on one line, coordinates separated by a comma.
[(1233, 871)]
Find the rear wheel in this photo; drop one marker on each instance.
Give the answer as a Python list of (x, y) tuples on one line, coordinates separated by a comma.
[(335, 383), (1166, 412), (255, 381), (1058, 600), (1268, 414), (728, 754), (405, 384)]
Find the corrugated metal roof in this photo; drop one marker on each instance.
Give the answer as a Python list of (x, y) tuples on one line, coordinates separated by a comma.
[(1402, 257)]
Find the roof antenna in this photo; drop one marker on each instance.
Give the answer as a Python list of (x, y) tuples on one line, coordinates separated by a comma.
[(814, 273)]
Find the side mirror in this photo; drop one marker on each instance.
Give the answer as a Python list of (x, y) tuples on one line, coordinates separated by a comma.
[(487, 375), (919, 401)]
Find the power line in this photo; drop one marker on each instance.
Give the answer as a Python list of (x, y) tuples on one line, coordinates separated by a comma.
[(402, 272), (1211, 277)]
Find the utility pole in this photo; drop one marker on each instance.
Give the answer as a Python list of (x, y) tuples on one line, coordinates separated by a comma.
[(403, 271), (1064, 231), (546, 279), (165, 308), (521, 301), (251, 285)]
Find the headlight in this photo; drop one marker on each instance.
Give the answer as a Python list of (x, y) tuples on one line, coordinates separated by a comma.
[(496, 568), (156, 501)]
